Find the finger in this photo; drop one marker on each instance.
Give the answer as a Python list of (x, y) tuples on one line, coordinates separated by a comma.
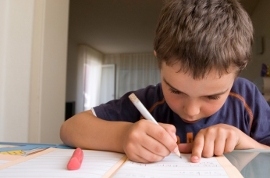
[(142, 154), (155, 146), (173, 135), (230, 143), (137, 140), (220, 142), (209, 142), (165, 138), (197, 148), (152, 157), (176, 149), (137, 158), (149, 140), (170, 129), (148, 156)]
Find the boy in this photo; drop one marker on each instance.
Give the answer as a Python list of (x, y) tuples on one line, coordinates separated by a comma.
[(201, 46)]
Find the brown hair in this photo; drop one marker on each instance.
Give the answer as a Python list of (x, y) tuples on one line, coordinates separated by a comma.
[(204, 35)]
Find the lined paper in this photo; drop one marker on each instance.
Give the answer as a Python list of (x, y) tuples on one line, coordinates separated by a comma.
[(6, 159), (173, 166), (96, 164), (53, 164), (3, 161)]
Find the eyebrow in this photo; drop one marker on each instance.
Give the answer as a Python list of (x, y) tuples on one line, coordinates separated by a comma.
[(215, 94)]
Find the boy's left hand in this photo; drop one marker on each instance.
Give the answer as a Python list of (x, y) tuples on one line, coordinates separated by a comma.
[(219, 139)]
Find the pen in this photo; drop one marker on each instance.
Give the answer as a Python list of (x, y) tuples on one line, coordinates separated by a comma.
[(75, 160), (145, 113)]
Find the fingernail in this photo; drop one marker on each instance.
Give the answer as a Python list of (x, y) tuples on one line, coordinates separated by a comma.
[(195, 158), (176, 150)]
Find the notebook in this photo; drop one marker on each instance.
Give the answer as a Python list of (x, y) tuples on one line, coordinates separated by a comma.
[(52, 162)]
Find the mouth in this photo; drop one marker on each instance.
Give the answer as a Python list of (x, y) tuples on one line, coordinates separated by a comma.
[(190, 121)]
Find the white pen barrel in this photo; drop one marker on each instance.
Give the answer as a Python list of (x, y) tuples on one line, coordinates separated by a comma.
[(141, 108)]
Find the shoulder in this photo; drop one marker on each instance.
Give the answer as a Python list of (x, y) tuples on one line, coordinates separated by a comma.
[(242, 83), (247, 101), (245, 89), (245, 94)]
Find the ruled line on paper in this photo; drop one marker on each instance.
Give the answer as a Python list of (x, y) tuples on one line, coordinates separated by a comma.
[(53, 164), (172, 166)]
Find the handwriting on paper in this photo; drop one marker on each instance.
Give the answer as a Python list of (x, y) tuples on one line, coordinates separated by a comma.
[(171, 167)]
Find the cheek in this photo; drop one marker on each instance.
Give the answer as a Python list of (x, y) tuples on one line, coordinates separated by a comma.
[(210, 108), (175, 102)]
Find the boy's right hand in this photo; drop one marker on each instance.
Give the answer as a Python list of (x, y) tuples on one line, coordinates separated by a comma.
[(147, 142)]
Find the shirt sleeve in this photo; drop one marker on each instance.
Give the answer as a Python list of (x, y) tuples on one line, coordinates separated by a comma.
[(123, 109), (260, 126)]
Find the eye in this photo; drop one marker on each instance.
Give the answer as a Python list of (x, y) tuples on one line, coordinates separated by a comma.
[(214, 97), (174, 91)]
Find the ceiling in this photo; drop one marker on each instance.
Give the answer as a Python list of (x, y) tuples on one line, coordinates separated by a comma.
[(119, 26)]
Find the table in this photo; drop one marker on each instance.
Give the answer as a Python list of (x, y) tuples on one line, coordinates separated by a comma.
[(251, 163)]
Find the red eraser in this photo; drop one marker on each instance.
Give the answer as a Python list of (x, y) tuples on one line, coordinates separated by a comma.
[(75, 160)]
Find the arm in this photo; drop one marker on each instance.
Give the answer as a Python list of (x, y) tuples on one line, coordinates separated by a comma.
[(142, 141), (86, 131)]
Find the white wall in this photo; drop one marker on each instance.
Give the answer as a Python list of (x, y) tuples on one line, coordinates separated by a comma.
[(54, 69), (15, 68), (33, 49), (261, 23)]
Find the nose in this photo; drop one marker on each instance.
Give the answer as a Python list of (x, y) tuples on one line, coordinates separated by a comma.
[(191, 108)]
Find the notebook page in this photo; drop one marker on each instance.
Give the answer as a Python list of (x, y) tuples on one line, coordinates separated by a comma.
[(53, 164), (5, 159), (172, 166)]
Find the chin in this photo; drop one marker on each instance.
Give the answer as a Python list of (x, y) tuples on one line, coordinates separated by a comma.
[(191, 121)]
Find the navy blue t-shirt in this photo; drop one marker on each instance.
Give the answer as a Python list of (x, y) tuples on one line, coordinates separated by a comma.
[(245, 108)]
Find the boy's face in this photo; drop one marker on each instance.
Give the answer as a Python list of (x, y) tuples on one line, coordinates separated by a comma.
[(193, 99)]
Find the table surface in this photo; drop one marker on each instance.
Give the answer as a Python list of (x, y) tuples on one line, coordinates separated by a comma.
[(251, 163)]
